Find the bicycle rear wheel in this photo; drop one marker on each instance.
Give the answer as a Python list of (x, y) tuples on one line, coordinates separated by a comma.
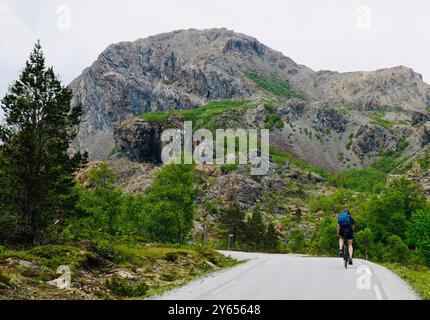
[(345, 256)]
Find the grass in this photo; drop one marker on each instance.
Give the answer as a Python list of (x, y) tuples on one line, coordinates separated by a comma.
[(282, 158), (382, 122), (162, 267), (203, 114), (370, 179), (273, 120), (378, 119), (418, 278), (275, 85)]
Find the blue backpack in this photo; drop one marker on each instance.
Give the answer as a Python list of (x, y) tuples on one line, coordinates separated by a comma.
[(344, 218)]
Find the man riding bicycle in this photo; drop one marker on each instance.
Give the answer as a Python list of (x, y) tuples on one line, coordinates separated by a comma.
[(345, 232)]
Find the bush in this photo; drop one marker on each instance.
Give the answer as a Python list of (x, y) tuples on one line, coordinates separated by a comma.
[(126, 288), (362, 180), (106, 250), (324, 240), (228, 168), (397, 250), (171, 256), (364, 240), (297, 241), (418, 234)]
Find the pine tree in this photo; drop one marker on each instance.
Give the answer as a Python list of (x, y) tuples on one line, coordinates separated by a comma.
[(40, 124), (256, 229), (232, 221), (271, 237)]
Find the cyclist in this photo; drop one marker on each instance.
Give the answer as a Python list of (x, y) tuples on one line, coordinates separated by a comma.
[(345, 232)]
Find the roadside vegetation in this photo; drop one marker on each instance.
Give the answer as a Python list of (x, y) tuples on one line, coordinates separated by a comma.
[(116, 245), (418, 277)]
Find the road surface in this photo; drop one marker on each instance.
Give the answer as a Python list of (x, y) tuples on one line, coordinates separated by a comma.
[(295, 277)]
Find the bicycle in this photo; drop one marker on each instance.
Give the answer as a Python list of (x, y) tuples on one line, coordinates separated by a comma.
[(345, 255)]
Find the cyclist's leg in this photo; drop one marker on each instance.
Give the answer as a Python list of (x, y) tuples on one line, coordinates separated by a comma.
[(340, 243), (350, 248)]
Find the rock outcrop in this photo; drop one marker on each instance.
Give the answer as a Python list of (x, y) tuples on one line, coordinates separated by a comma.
[(371, 139), (139, 141)]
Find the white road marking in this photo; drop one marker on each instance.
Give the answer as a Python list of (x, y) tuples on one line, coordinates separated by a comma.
[(377, 292)]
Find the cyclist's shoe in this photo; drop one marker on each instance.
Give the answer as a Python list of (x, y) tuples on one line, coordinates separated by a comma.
[(350, 262), (341, 253)]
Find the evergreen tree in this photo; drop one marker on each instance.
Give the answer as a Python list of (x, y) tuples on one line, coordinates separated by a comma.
[(255, 229), (40, 124), (232, 221), (271, 237), (297, 241)]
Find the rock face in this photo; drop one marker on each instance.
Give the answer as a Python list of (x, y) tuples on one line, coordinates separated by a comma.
[(139, 141), (419, 117), (187, 68), (397, 87), (371, 139), (329, 119)]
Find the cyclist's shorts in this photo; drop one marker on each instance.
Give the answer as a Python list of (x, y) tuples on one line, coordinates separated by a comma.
[(346, 233)]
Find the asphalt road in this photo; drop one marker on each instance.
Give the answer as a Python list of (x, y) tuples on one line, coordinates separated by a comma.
[(295, 277)]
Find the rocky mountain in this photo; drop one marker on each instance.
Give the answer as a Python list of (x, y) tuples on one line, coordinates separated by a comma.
[(188, 68)]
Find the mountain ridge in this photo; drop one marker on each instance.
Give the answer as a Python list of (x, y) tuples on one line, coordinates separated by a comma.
[(189, 68)]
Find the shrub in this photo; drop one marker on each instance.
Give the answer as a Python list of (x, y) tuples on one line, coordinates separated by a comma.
[(297, 241), (397, 250), (418, 234), (364, 240), (107, 250), (126, 288), (227, 168), (171, 256), (324, 240)]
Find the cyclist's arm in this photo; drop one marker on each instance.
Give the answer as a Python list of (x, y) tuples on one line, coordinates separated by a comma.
[(338, 229)]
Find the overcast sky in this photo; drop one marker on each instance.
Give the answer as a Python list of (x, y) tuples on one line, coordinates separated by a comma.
[(342, 35)]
